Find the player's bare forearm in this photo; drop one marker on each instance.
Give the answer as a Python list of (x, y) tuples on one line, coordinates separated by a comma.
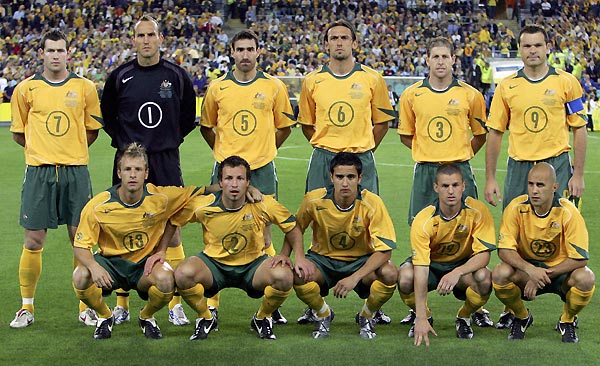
[(166, 238), (293, 241), (281, 135), (537, 274), (379, 131), (477, 142), (308, 131), (375, 261), (19, 138), (576, 183), (476, 262), (91, 136), (406, 140), (84, 256), (209, 136), (492, 150), (421, 274), (566, 266)]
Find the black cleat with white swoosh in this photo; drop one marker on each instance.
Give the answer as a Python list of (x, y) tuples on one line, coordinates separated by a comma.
[(203, 327), (519, 326), (264, 327), (567, 331)]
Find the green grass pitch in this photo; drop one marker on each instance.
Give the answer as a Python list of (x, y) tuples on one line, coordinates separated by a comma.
[(57, 338)]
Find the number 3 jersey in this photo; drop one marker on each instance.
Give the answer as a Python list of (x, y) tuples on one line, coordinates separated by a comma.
[(364, 228), (54, 118), (434, 238), (234, 237), (130, 232), (246, 116), (552, 238)]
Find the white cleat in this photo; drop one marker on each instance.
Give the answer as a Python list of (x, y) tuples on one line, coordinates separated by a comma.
[(121, 315), (177, 316), (88, 317), (23, 318)]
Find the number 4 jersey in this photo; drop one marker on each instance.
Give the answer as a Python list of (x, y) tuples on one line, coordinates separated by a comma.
[(130, 232), (54, 116)]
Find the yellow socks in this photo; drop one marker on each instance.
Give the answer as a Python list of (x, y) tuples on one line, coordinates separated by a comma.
[(92, 297), (174, 257), (473, 303), (214, 301), (156, 301), (576, 301), (510, 295), (194, 297), (380, 294), (310, 294), (30, 269), (271, 301)]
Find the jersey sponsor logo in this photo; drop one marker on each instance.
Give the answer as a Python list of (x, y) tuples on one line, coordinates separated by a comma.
[(543, 248), (342, 241), (150, 115), (125, 80), (135, 240), (166, 90), (234, 243)]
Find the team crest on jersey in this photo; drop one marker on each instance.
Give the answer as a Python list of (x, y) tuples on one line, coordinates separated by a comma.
[(166, 90), (71, 99), (550, 92), (554, 226), (148, 215), (259, 101), (356, 91), (248, 217)]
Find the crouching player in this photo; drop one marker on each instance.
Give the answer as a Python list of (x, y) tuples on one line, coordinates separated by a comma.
[(352, 241), (543, 246), (234, 254), (451, 241), (127, 223)]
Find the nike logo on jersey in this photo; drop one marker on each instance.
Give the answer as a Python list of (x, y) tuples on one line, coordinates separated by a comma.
[(318, 81), (32, 89), (418, 94), (512, 86), (223, 87), (319, 208), (124, 80)]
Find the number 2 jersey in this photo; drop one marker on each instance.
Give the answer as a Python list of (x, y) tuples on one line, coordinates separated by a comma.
[(54, 118), (552, 238), (130, 232), (364, 228), (434, 238)]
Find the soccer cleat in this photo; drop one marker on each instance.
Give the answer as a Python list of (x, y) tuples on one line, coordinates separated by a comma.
[(307, 317), (104, 328), (463, 328), (322, 325), (88, 317), (215, 313), (482, 319), (411, 331), (150, 328), (278, 318), (264, 327), (519, 326), (177, 316), (203, 327), (23, 318), (367, 327), (121, 315), (567, 331), (379, 317), (409, 319), (505, 321)]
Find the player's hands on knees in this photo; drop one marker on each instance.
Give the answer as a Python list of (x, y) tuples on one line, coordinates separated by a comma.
[(281, 260), (344, 286), (305, 269), (422, 329), (539, 276), (154, 259), (530, 290), (100, 277), (447, 283), (492, 192)]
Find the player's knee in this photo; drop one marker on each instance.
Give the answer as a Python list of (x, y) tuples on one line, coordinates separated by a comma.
[(82, 278), (282, 278), (483, 280), (406, 279), (501, 273), (388, 274), (184, 275), (583, 278), (164, 279)]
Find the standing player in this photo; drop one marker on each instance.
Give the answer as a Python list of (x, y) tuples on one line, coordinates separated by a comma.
[(55, 117), (127, 223), (343, 106), (543, 246), (539, 126), (451, 240), (151, 101), (247, 113), (352, 241), (234, 253)]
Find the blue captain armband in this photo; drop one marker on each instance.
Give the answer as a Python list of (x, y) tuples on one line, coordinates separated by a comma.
[(574, 106)]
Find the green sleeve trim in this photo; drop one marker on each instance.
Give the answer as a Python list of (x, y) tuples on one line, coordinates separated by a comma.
[(388, 242)]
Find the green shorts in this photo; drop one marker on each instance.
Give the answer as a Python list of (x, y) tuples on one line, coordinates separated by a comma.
[(422, 193), (438, 270), (517, 173), (334, 270), (319, 176), (225, 276), (556, 286), (264, 178), (54, 195), (125, 274)]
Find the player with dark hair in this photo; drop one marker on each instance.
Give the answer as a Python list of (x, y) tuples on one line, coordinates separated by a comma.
[(352, 241), (343, 107), (55, 117), (151, 101), (451, 241), (234, 253), (543, 246)]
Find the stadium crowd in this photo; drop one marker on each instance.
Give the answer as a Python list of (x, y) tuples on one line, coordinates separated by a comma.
[(395, 33)]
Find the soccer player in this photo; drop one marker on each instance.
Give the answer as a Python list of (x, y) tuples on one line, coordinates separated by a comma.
[(151, 101), (343, 106), (451, 241), (352, 241), (539, 127), (247, 113), (127, 223), (441, 120), (539, 124), (543, 246), (234, 253), (55, 117)]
